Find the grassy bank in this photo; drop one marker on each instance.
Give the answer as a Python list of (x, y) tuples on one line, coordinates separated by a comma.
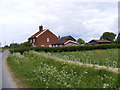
[(108, 57), (37, 71)]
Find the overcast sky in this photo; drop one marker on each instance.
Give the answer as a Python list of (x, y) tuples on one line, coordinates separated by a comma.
[(19, 19)]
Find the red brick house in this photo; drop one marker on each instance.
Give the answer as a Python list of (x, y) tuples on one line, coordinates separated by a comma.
[(45, 38), (97, 42)]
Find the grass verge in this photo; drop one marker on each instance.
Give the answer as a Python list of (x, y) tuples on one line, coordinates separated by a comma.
[(37, 71), (108, 57)]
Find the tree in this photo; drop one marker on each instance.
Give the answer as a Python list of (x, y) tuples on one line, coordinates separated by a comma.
[(118, 39), (14, 45), (26, 44), (108, 36), (80, 41), (6, 46)]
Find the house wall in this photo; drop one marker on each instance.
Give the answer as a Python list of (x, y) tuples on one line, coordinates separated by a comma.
[(33, 41), (42, 39), (105, 43), (60, 45), (94, 43), (71, 44)]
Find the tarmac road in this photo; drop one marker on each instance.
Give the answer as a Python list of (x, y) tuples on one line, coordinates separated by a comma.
[(0, 70), (6, 80)]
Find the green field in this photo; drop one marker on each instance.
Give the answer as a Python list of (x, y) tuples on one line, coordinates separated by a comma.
[(34, 70), (108, 57)]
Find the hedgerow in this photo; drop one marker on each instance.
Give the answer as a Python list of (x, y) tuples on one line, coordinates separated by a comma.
[(65, 49)]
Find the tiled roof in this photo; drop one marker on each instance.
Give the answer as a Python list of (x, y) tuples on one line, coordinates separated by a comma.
[(62, 40), (33, 36), (102, 41), (65, 38)]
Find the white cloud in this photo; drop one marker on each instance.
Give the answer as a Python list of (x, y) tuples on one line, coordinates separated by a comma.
[(79, 19)]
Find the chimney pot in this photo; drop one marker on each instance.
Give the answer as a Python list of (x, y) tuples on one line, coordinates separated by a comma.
[(58, 37), (40, 28)]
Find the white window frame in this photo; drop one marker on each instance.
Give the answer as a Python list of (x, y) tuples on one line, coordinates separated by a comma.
[(30, 40), (48, 40), (42, 45), (33, 40), (50, 45), (61, 45)]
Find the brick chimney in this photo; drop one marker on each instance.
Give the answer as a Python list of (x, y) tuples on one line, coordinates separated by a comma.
[(58, 37), (40, 28)]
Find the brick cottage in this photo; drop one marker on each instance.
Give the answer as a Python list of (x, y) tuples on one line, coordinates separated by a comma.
[(45, 38)]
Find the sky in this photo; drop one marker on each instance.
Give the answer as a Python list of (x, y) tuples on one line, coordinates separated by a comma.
[(19, 19)]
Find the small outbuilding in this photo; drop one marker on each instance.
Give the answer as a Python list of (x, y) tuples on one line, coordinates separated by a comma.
[(97, 42)]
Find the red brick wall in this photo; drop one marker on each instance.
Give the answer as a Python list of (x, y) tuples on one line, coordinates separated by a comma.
[(42, 39)]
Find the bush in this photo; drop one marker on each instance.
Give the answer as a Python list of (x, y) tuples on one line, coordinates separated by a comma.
[(26, 44), (65, 49), (14, 45)]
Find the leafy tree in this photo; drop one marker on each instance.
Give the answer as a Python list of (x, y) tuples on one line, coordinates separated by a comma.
[(6, 46), (80, 41), (14, 45), (26, 44), (108, 36), (118, 39)]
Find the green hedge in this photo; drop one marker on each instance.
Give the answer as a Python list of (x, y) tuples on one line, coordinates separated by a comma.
[(65, 49)]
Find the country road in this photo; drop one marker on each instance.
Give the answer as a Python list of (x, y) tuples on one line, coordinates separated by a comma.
[(6, 80), (0, 70)]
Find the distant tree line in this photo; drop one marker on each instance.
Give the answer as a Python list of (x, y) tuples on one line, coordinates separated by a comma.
[(16, 45)]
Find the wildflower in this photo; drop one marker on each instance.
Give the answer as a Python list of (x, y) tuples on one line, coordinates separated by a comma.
[(85, 72), (105, 85)]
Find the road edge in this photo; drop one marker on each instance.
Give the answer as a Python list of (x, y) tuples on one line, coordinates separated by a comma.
[(8, 71)]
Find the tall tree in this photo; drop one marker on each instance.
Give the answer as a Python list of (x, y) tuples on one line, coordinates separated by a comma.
[(80, 41), (108, 36), (6, 46)]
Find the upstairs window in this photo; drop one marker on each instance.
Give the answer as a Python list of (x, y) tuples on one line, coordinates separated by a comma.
[(30, 40), (33, 40), (48, 40)]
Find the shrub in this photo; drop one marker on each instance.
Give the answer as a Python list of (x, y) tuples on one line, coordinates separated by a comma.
[(26, 44), (65, 49)]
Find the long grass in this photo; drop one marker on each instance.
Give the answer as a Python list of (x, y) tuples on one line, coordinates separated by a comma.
[(36, 71), (108, 57)]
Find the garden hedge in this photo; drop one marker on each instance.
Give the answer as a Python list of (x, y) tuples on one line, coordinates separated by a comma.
[(65, 49)]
